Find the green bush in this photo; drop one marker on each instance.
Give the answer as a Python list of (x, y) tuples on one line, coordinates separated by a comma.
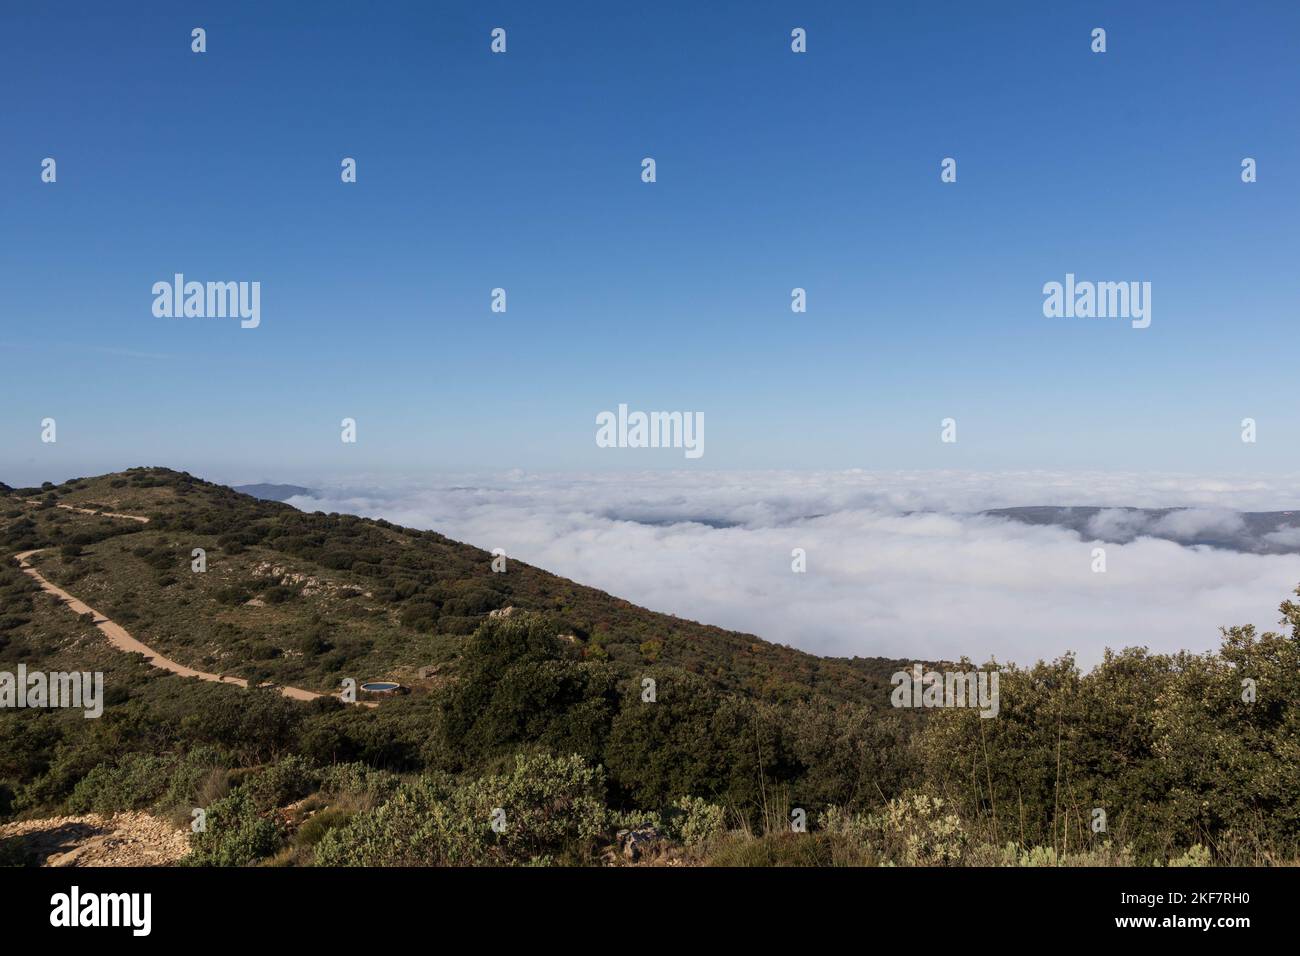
[(132, 782), (700, 823), (289, 779), (1196, 856), (916, 831), (319, 823), (139, 781), (192, 778), (546, 808), (232, 595), (358, 781), (235, 834)]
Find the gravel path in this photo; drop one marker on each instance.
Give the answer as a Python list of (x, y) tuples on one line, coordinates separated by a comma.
[(124, 839), (121, 638)]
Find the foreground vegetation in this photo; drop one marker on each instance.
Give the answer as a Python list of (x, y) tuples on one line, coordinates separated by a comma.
[(532, 743)]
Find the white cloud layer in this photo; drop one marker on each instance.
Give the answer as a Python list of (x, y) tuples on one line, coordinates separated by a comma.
[(898, 563)]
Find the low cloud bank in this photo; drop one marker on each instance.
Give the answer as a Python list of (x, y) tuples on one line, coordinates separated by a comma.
[(899, 564), (1188, 525)]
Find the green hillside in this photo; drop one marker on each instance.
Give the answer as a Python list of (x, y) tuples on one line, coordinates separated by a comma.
[(528, 697), (306, 599)]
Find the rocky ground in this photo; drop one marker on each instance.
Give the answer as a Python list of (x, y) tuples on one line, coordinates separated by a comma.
[(124, 839)]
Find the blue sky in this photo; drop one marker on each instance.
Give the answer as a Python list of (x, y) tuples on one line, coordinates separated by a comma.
[(522, 171)]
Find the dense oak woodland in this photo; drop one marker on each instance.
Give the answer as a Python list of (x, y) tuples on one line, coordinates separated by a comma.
[(538, 712)]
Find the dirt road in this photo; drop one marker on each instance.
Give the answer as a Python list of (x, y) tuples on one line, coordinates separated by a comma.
[(92, 511), (121, 638)]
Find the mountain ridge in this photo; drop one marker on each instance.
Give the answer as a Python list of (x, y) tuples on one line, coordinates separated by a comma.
[(1247, 532), (284, 587)]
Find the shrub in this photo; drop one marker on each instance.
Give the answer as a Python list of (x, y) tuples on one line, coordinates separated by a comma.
[(282, 782), (314, 641), (916, 832), (197, 780), (234, 594), (402, 832), (1039, 856), (358, 781), (1196, 856), (319, 823), (133, 782), (701, 822), (234, 835), (279, 594), (843, 825), (138, 781), (550, 807)]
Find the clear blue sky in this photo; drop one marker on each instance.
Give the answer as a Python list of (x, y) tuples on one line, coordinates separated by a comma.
[(775, 170)]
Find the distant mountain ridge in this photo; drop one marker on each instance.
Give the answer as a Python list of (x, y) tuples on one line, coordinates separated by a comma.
[(1248, 532), (273, 492)]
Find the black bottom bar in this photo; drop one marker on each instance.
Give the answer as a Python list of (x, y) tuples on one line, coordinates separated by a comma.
[(359, 907)]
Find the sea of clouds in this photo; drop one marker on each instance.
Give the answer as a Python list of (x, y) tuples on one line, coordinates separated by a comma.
[(899, 564)]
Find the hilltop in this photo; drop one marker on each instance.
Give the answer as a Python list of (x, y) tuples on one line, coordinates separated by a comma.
[(306, 599)]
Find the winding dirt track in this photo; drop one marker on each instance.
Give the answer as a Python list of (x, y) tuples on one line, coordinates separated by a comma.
[(121, 638), (89, 511)]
